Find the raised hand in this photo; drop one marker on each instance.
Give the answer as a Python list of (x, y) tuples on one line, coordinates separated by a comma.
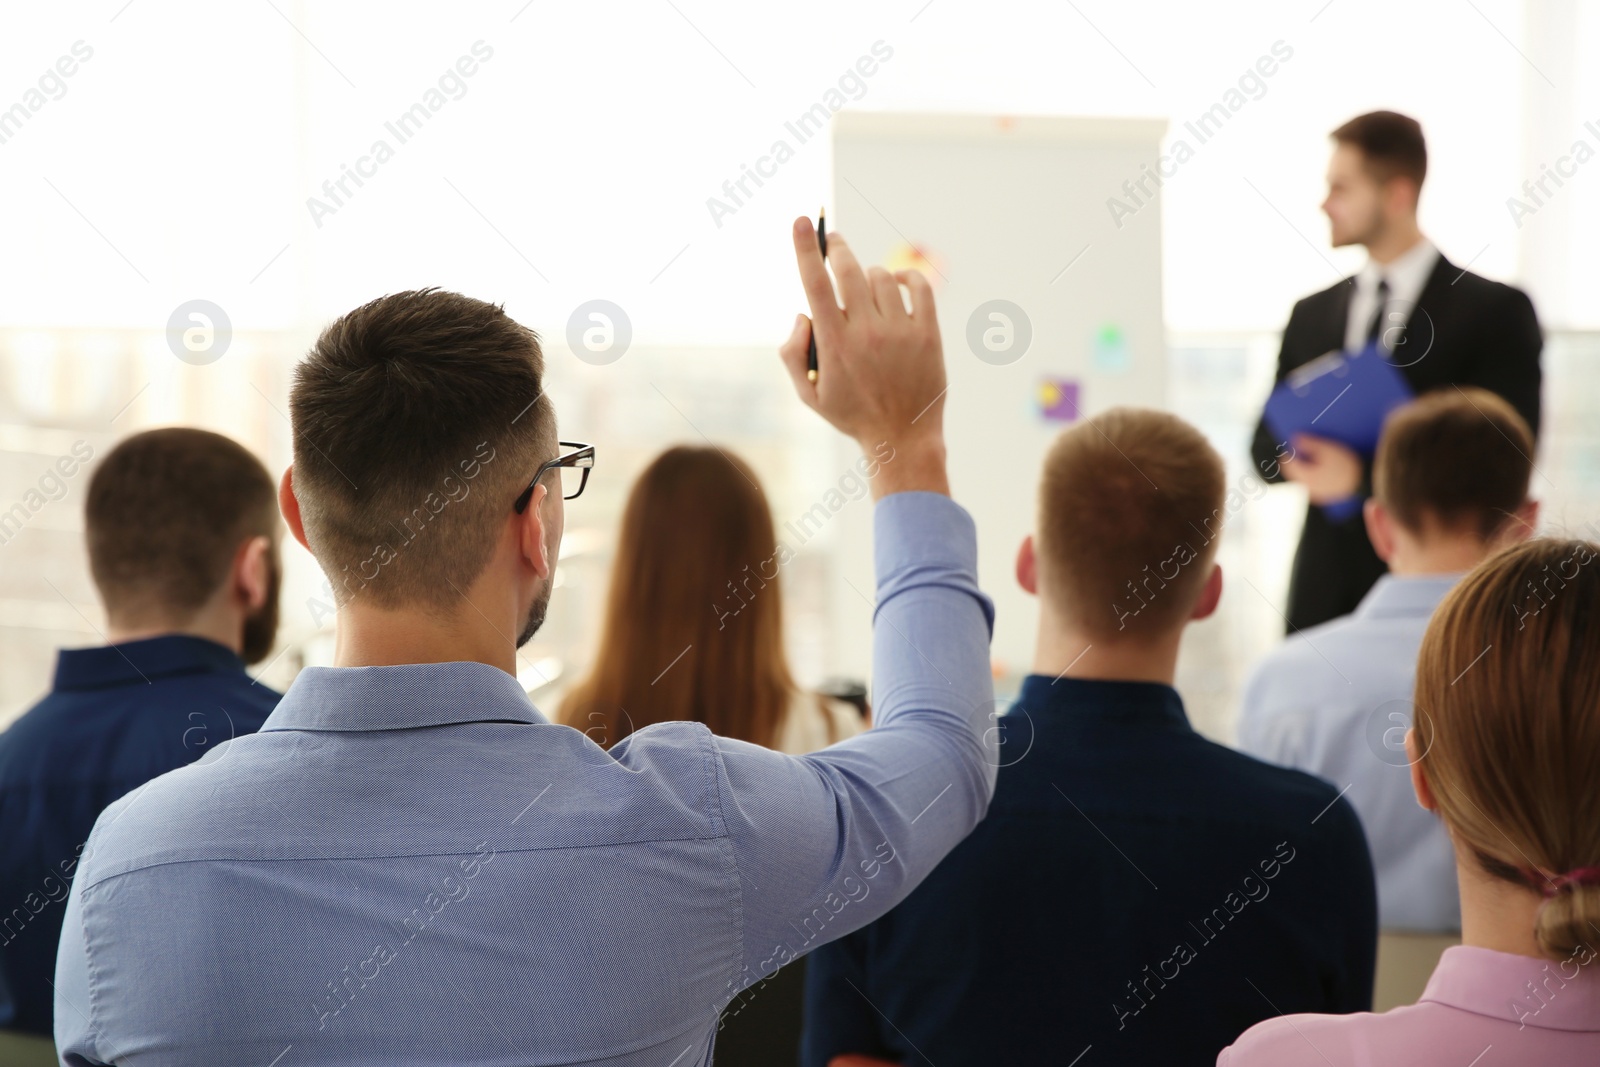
[(881, 375)]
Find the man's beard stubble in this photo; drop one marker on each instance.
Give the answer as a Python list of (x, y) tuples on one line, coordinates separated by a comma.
[(536, 613), (261, 627)]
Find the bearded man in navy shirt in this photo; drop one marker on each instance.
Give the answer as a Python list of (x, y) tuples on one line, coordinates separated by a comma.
[(182, 528)]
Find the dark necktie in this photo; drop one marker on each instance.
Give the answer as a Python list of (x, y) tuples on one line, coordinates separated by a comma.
[(1375, 327)]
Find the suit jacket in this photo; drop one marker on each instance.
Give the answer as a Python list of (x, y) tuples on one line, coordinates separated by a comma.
[(1464, 330)]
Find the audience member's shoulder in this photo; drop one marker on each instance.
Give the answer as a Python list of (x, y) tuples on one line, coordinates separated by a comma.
[(26, 745), (675, 744), (253, 700), (1338, 1040), (1303, 670), (1306, 653), (1271, 793), (1284, 1039), (222, 682), (1297, 676), (151, 823), (25, 727)]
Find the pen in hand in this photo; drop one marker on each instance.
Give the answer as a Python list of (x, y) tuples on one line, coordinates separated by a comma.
[(811, 346)]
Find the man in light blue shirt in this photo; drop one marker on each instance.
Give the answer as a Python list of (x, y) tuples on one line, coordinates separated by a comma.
[(409, 864), (1450, 486)]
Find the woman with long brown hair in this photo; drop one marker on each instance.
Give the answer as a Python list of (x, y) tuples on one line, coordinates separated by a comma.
[(1505, 747), (694, 618)]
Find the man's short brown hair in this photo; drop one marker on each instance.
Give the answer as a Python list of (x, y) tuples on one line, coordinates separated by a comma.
[(1454, 460), (1391, 145), (166, 513), (418, 418), (1130, 508)]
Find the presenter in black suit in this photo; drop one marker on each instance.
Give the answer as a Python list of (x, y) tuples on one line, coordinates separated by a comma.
[(1439, 323)]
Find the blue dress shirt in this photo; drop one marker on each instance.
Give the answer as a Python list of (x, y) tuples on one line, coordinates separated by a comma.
[(410, 865), (1336, 700), (117, 716), (1137, 895)]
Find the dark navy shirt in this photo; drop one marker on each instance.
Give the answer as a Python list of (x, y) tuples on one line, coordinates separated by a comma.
[(118, 716), (1137, 895)]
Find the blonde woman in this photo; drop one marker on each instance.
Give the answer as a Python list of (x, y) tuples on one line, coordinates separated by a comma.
[(1505, 747)]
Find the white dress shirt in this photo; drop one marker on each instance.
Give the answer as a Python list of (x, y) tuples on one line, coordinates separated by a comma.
[(1406, 275), (1335, 700)]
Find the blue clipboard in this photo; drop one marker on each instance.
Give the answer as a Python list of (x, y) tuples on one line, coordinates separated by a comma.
[(1343, 396)]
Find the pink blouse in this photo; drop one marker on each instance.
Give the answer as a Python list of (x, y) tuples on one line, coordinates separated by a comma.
[(1481, 1008)]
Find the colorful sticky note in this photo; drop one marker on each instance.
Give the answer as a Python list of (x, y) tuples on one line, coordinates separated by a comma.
[(1110, 349), (1057, 399), (905, 256)]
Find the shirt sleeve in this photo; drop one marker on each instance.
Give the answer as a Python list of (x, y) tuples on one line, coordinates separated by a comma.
[(75, 1033), (823, 844)]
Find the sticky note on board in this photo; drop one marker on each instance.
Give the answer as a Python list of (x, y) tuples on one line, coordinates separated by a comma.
[(1110, 350), (1058, 399), (919, 257)]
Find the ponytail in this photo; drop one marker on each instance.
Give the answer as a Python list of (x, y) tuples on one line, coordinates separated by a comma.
[(1509, 679), (1568, 922)]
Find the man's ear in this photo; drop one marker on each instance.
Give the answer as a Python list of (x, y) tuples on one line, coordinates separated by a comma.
[(290, 506), (530, 534), (1209, 595), (1380, 528), (1027, 566), (1419, 777), (252, 572)]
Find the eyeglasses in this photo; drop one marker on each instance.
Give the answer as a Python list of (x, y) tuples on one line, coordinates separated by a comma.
[(574, 463)]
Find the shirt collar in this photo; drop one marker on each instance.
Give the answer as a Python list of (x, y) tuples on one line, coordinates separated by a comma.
[(1406, 274), (141, 662), (1411, 597), (1098, 700), (1550, 994), (401, 697)]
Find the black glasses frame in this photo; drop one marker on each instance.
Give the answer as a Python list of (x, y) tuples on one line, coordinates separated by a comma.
[(574, 454)]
